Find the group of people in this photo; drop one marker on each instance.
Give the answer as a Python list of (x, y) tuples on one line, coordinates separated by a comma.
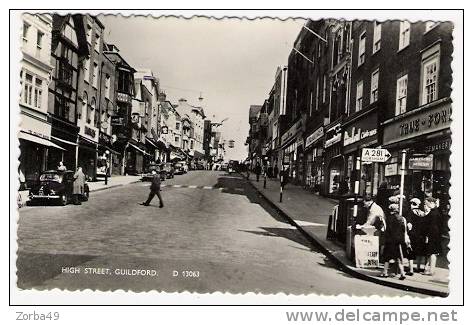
[(78, 186), (271, 172), (412, 231)]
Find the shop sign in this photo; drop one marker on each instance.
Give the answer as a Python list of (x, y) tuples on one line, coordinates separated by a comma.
[(439, 146), (121, 97), (291, 132), (375, 155), (117, 120), (357, 134), (421, 162), (314, 136), (89, 131), (366, 251), (423, 122), (300, 142), (390, 170), (105, 139), (333, 135)]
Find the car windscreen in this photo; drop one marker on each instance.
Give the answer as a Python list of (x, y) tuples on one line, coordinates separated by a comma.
[(51, 177)]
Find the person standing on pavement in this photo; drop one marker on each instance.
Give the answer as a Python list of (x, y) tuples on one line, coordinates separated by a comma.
[(257, 171), (382, 197), (394, 240), (61, 167), (433, 242), (416, 229), (276, 170), (78, 185), (155, 189)]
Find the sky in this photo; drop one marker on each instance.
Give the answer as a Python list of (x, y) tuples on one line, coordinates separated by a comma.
[(231, 62)]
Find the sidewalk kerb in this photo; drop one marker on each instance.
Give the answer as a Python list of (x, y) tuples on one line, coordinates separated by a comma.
[(339, 263), (112, 186)]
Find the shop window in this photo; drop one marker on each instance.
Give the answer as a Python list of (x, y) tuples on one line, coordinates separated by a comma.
[(401, 95), (404, 34)]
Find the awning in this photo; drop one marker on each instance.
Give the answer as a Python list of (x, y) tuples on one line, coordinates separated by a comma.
[(64, 141), (198, 154), (45, 142), (139, 149)]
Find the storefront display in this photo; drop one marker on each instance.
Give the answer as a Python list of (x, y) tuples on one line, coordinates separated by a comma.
[(333, 160)]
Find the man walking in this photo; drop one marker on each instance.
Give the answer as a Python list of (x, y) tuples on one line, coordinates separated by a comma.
[(155, 189)]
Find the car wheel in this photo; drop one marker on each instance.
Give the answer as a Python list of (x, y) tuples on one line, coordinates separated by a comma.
[(63, 199)]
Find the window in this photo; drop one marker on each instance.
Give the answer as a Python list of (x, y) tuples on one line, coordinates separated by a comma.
[(317, 95), (32, 90), (86, 70), (361, 49), (84, 107), (39, 39), (38, 92), (90, 110), (359, 96), (95, 74), (430, 25), (374, 86), (376, 37), (96, 117), (97, 43), (107, 86), (324, 89), (401, 95), (28, 89), (62, 106), (176, 139), (89, 34), (430, 79), (310, 104), (177, 125), (319, 50), (26, 28), (404, 34)]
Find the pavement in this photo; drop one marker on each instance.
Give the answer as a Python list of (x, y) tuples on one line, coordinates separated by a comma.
[(310, 213), (215, 233)]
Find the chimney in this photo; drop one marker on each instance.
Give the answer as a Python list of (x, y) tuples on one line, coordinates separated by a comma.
[(162, 97)]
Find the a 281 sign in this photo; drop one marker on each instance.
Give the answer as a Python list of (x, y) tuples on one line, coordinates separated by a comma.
[(375, 155)]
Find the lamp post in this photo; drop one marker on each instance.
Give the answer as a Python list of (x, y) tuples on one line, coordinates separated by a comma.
[(106, 166)]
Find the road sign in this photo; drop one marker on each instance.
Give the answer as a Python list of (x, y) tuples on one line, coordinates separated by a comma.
[(375, 155)]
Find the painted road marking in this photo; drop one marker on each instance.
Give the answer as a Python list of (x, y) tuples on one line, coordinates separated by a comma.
[(200, 187)]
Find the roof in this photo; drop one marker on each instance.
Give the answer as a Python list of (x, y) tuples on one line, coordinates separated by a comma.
[(254, 110)]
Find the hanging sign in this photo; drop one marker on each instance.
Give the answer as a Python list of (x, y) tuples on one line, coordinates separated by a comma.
[(375, 155)]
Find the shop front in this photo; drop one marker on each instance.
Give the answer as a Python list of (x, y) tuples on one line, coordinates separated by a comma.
[(292, 144), (333, 159), (64, 134), (88, 150), (108, 160), (35, 144), (313, 157), (361, 132), (425, 136)]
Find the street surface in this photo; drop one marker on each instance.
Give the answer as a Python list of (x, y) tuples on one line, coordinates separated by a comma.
[(214, 230)]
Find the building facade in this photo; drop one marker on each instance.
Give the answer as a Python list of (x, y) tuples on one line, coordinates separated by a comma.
[(121, 118), (68, 47), (35, 125)]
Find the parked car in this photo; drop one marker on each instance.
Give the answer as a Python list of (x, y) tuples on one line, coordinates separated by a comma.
[(167, 169), (56, 186), (148, 175), (224, 166), (180, 168)]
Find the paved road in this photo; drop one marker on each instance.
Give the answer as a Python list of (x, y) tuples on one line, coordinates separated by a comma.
[(215, 225)]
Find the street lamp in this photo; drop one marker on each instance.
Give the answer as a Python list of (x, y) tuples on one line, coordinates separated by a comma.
[(106, 166)]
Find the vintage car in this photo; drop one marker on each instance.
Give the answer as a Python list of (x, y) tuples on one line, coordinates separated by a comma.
[(167, 169), (148, 175), (55, 186), (180, 168)]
